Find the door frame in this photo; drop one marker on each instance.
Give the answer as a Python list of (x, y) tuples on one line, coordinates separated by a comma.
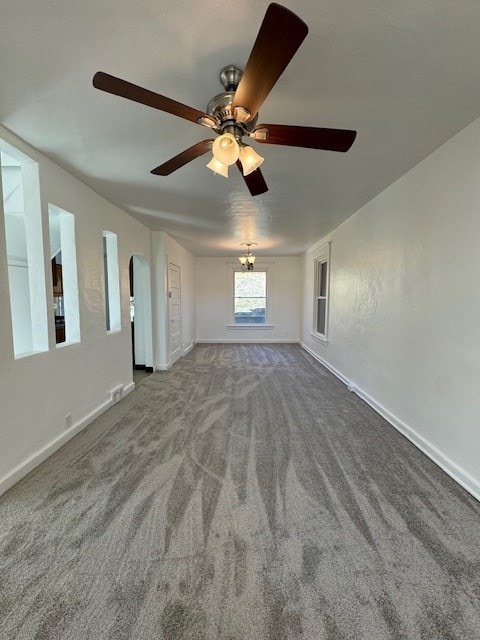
[(169, 352)]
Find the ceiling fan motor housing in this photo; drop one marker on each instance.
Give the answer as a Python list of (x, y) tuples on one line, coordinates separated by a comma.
[(220, 106)]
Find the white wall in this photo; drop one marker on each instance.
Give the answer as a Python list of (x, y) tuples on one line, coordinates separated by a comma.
[(166, 249), (213, 302), (38, 391), (405, 305)]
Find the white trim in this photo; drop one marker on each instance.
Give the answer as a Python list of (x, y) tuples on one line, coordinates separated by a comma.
[(173, 262), (162, 367), (248, 341), (250, 326), (319, 336), (460, 476), (322, 252), (128, 388), (24, 468), (321, 255), (328, 366), (233, 267), (187, 349), (315, 248)]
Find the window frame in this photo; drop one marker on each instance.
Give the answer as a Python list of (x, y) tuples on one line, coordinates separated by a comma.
[(259, 267), (321, 256)]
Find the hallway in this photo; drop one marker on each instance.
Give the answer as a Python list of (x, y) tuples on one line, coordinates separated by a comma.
[(245, 494)]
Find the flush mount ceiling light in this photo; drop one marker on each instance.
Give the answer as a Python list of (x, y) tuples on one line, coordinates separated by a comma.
[(233, 114), (247, 261)]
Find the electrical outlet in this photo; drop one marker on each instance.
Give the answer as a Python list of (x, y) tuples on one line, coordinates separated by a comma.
[(68, 421)]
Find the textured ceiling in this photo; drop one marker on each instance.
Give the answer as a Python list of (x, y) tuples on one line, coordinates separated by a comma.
[(405, 75)]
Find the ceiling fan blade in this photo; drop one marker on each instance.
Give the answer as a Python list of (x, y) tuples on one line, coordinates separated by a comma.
[(255, 181), (124, 89), (280, 35), (307, 137), (183, 158)]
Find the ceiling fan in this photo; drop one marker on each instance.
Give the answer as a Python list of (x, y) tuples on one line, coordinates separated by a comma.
[(234, 113)]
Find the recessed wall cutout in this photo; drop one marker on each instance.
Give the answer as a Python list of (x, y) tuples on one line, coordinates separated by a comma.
[(64, 275), (112, 281), (24, 249)]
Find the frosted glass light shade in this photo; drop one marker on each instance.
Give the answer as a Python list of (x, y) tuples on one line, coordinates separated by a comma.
[(250, 159), (247, 261), (218, 167), (225, 149)]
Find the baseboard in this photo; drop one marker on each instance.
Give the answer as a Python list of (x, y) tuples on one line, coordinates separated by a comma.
[(327, 365), (464, 479), (129, 387), (188, 349), (162, 367), (247, 341), (24, 468)]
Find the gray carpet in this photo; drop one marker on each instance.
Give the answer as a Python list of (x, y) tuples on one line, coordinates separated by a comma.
[(243, 495)]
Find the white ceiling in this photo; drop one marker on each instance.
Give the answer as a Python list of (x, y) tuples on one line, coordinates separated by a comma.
[(405, 75)]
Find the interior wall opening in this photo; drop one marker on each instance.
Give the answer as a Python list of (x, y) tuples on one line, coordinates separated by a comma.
[(64, 275), (113, 320), (141, 317), (24, 249)]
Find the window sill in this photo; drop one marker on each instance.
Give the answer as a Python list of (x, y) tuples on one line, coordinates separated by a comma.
[(250, 326), (27, 354), (113, 332), (61, 345), (319, 337)]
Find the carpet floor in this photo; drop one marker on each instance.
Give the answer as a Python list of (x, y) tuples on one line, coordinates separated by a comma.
[(243, 495)]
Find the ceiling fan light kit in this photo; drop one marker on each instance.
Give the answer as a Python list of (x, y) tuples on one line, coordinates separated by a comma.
[(234, 113), (250, 159), (247, 261), (218, 167), (225, 149)]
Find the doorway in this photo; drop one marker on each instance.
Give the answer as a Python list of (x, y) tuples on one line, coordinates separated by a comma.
[(174, 313), (141, 317)]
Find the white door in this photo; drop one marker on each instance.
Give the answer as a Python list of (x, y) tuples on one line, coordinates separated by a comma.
[(174, 321)]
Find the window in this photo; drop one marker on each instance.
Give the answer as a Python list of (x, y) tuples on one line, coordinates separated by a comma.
[(321, 289), (24, 249), (64, 275), (112, 281), (250, 297)]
